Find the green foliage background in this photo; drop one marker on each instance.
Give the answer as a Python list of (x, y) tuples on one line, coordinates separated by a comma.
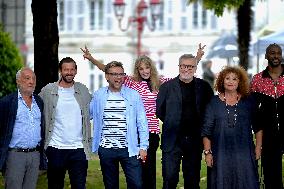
[(218, 6), (10, 62)]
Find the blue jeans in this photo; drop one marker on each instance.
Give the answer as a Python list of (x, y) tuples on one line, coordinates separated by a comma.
[(110, 159)]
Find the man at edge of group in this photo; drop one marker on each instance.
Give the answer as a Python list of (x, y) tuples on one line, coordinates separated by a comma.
[(119, 120), (268, 87), (181, 104), (22, 134), (68, 130)]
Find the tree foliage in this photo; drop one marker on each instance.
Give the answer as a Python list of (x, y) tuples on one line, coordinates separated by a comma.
[(10, 62), (218, 6), (244, 21)]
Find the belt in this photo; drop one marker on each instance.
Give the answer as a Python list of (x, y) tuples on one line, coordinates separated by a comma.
[(24, 149)]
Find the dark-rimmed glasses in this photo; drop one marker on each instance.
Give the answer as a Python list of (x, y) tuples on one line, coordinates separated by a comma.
[(183, 66), (117, 74)]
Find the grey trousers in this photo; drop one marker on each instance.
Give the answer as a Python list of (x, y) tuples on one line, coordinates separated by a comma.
[(22, 170)]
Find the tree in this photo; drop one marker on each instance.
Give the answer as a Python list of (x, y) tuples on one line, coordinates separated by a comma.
[(46, 40), (244, 16), (10, 62)]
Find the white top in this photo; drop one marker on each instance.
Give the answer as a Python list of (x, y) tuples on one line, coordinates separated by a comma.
[(67, 133)]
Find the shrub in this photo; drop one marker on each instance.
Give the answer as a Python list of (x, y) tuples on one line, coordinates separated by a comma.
[(10, 62)]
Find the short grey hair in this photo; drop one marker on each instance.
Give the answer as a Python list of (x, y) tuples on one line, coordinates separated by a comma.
[(187, 56), (19, 72)]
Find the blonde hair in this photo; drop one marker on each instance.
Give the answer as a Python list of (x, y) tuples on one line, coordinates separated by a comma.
[(154, 78)]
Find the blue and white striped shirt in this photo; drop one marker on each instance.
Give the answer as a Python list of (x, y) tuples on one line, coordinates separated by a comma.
[(136, 121)]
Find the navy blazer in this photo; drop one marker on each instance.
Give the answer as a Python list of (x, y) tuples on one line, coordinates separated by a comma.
[(8, 112), (169, 109)]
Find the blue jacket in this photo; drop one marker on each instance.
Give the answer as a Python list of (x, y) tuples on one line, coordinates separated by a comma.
[(135, 119), (8, 112), (169, 109)]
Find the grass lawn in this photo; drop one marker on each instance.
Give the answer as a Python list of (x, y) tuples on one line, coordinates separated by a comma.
[(94, 179)]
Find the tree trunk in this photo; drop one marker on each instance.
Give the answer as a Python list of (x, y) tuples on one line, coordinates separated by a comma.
[(46, 40), (244, 19)]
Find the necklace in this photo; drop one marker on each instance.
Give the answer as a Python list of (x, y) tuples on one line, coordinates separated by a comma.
[(232, 120)]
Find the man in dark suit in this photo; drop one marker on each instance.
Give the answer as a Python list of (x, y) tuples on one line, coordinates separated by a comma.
[(21, 134), (181, 104)]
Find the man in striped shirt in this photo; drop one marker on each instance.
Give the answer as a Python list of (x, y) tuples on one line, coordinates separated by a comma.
[(119, 120)]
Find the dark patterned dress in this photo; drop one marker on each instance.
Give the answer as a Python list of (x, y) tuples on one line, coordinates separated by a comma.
[(229, 129)]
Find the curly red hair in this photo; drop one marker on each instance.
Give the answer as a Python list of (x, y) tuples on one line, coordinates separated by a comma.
[(243, 86)]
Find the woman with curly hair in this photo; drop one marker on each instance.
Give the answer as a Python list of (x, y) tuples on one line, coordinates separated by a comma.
[(146, 81), (229, 150)]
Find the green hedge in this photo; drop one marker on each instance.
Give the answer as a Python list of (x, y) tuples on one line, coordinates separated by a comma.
[(10, 62)]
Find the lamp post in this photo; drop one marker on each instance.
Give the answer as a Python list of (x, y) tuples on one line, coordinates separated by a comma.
[(140, 17)]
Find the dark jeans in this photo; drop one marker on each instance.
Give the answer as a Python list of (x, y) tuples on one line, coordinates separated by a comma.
[(61, 160), (272, 168), (190, 152), (110, 159), (149, 167)]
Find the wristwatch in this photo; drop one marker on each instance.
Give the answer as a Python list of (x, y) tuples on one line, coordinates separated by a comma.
[(206, 152)]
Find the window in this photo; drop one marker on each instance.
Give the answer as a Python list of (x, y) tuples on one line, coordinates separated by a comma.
[(161, 18), (97, 14), (183, 4), (170, 24), (80, 16), (195, 15), (183, 23), (109, 23), (101, 14), (213, 22), (109, 6), (71, 15), (170, 6), (61, 15), (101, 78), (92, 15), (204, 18)]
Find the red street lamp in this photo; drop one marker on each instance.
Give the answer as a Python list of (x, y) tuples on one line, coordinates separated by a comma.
[(140, 18)]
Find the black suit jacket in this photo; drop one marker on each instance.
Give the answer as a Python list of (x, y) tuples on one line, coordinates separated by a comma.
[(8, 112), (169, 108)]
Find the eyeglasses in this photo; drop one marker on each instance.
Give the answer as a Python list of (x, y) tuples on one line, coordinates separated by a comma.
[(117, 74), (183, 66)]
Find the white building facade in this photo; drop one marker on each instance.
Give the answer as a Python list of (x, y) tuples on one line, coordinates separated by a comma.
[(179, 30)]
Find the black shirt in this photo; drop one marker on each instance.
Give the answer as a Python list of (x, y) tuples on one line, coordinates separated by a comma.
[(189, 124)]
